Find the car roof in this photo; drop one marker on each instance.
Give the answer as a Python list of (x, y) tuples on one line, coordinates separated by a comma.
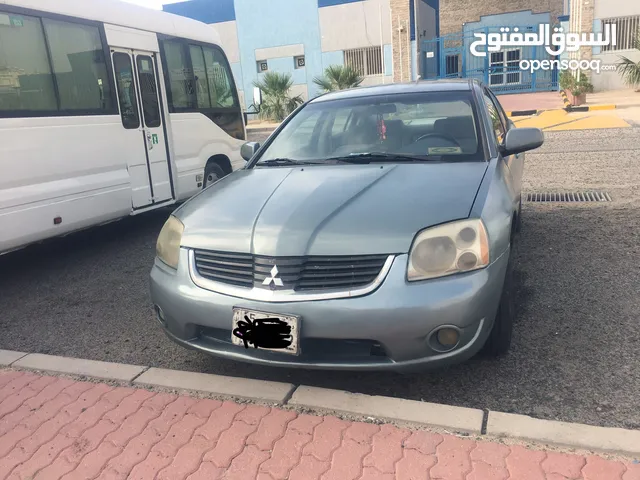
[(448, 85)]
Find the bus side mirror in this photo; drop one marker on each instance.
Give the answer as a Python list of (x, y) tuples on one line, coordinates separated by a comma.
[(257, 96)]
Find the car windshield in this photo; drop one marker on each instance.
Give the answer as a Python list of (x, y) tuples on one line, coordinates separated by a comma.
[(431, 126)]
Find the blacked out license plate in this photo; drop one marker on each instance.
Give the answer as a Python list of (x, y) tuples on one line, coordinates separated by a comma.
[(266, 331)]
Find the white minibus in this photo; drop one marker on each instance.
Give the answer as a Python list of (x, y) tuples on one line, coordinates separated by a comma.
[(107, 109)]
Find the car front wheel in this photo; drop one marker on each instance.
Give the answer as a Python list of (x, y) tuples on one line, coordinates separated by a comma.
[(499, 340)]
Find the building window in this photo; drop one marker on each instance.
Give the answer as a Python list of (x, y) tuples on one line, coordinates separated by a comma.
[(263, 66), (79, 65), (366, 61), (26, 82), (298, 62), (628, 30)]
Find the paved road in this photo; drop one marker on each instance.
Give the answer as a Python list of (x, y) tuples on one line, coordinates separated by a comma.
[(575, 353)]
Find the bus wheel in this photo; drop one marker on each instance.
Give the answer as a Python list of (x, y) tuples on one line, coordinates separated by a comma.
[(212, 174)]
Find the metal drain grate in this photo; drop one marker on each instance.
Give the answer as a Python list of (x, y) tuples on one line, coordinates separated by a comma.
[(569, 197)]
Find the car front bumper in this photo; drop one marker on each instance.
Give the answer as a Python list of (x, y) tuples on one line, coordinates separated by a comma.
[(388, 329)]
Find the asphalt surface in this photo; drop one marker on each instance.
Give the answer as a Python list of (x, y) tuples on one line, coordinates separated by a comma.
[(575, 347)]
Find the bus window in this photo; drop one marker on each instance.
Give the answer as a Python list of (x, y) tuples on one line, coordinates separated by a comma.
[(26, 76), (148, 91), (219, 79), (126, 90), (79, 65), (180, 84), (200, 77)]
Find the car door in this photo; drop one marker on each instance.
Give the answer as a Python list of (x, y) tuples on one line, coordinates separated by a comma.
[(516, 162), (499, 130)]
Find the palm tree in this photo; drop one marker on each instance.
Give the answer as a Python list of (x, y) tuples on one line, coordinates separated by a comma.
[(338, 77), (629, 69), (277, 101)]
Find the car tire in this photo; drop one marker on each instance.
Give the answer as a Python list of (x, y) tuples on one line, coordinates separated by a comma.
[(212, 174), (499, 340), (519, 218)]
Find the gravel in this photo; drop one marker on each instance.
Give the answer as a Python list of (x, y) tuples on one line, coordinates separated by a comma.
[(574, 354)]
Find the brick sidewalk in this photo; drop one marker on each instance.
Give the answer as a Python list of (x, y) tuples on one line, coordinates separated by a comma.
[(53, 427)]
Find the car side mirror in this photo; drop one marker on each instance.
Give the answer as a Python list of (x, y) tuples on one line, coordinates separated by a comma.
[(520, 140), (248, 150), (257, 96)]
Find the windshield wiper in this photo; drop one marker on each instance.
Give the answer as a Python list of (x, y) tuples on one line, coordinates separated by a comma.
[(285, 161), (381, 156)]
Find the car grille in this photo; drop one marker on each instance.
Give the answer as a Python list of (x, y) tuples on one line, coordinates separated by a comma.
[(310, 273)]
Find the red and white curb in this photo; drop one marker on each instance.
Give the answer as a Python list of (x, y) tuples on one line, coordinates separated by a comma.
[(455, 419)]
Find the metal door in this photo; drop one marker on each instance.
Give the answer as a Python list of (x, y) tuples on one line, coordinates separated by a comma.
[(142, 116)]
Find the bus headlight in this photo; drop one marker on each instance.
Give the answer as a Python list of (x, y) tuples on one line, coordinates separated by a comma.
[(454, 247), (168, 244)]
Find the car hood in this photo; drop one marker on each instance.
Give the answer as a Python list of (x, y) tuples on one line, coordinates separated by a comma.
[(328, 210)]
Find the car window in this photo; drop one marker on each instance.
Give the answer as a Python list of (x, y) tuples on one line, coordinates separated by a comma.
[(501, 112), (438, 125), (499, 128), (302, 135), (340, 121)]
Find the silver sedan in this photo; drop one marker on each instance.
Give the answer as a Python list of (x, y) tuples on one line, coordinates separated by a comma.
[(372, 231)]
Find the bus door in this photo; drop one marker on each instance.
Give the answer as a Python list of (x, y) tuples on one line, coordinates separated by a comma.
[(143, 121)]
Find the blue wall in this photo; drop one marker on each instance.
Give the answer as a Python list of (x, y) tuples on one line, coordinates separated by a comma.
[(275, 23), (206, 11), (330, 3), (332, 58), (286, 65)]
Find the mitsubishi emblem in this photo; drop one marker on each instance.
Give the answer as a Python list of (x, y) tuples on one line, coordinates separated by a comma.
[(273, 278)]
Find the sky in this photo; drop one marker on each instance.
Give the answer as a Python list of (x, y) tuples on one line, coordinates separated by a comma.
[(157, 4)]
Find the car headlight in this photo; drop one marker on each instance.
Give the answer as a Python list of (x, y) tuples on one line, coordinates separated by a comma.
[(454, 247), (168, 244)]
